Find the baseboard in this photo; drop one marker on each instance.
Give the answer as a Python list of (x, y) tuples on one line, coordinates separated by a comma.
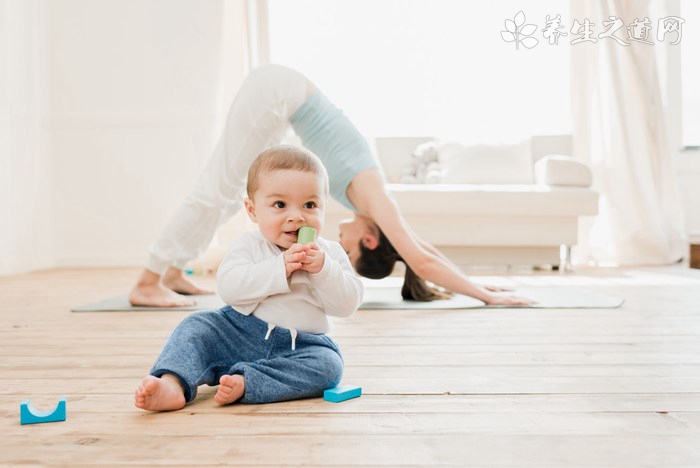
[(26, 265), (111, 260)]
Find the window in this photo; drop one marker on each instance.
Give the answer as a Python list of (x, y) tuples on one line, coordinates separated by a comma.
[(429, 68), (690, 76)]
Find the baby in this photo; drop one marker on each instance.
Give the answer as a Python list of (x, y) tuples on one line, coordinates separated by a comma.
[(268, 344)]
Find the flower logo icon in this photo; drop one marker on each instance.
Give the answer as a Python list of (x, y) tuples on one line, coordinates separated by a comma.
[(519, 32)]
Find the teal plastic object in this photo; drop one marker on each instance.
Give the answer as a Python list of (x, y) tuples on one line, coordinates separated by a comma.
[(29, 415), (342, 393), (306, 234)]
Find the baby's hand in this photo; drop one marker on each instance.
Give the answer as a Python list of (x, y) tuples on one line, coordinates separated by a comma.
[(313, 262), (293, 257)]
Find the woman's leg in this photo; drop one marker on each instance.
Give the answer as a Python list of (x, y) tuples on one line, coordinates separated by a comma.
[(257, 119)]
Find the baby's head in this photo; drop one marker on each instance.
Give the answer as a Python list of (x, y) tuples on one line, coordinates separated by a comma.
[(287, 189)]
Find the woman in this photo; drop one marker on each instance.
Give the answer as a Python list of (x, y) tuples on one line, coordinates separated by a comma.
[(271, 99)]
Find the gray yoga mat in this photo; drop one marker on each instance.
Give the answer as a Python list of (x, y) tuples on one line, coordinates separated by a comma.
[(547, 297), (121, 304)]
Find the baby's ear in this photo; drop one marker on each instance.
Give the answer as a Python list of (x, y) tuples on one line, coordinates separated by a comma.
[(250, 209)]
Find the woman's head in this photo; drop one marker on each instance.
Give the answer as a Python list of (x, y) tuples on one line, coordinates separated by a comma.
[(357, 231), (379, 262)]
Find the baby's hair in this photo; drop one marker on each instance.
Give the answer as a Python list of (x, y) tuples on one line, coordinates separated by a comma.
[(284, 157)]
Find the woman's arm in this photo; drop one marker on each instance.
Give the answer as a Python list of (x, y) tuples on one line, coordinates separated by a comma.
[(368, 193), (433, 250)]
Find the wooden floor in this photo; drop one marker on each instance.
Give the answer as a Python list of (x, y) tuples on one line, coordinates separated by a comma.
[(509, 387)]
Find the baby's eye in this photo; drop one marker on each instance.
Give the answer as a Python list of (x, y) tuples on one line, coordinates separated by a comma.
[(309, 204), (279, 204)]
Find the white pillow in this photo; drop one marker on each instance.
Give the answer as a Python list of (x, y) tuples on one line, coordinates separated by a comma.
[(562, 170), (486, 164)]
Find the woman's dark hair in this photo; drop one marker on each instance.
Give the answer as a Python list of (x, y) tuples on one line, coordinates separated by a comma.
[(378, 263)]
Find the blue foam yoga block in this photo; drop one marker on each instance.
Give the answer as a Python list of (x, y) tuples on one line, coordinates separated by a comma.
[(342, 393)]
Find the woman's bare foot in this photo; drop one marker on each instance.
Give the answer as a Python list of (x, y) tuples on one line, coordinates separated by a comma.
[(160, 394), (231, 388), (174, 280), (150, 292)]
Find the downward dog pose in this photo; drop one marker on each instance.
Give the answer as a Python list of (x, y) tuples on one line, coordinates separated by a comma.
[(271, 99)]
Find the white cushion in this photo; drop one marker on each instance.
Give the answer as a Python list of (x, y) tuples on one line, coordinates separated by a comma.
[(494, 200), (557, 170), (486, 164), (395, 153)]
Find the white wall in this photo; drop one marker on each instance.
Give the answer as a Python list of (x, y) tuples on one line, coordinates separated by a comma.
[(135, 97), (26, 221), (132, 96)]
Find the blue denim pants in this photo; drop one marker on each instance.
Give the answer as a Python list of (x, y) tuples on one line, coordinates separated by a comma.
[(212, 343)]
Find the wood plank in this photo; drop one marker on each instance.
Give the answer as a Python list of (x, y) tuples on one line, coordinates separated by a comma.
[(394, 370), (378, 382), (191, 449), (135, 329), (404, 404), (343, 424), (37, 359)]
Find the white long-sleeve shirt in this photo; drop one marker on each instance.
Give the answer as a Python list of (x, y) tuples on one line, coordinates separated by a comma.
[(252, 279)]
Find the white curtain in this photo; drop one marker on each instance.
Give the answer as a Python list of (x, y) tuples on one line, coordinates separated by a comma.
[(25, 183), (620, 128)]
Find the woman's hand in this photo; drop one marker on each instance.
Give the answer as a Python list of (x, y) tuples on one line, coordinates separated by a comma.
[(294, 257), (313, 261), (493, 288), (509, 300)]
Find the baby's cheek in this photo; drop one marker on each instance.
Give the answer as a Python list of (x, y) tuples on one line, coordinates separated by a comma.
[(319, 221)]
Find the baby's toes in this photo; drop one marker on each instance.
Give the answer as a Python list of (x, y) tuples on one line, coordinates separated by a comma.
[(226, 380)]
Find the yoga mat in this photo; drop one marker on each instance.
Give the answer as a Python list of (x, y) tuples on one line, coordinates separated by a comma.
[(547, 297), (121, 304)]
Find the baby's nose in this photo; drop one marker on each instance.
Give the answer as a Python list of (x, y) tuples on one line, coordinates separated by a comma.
[(296, 216)]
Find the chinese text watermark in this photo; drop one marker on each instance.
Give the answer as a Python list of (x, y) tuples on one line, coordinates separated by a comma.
[(637, 31)]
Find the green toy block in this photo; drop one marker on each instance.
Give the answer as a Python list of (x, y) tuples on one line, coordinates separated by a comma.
[(306, 234)]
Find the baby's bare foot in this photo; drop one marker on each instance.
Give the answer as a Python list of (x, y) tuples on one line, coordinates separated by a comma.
[(231, 388), (160, 394)]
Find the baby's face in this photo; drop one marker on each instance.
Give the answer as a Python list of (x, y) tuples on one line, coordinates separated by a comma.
[(285, 201)]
